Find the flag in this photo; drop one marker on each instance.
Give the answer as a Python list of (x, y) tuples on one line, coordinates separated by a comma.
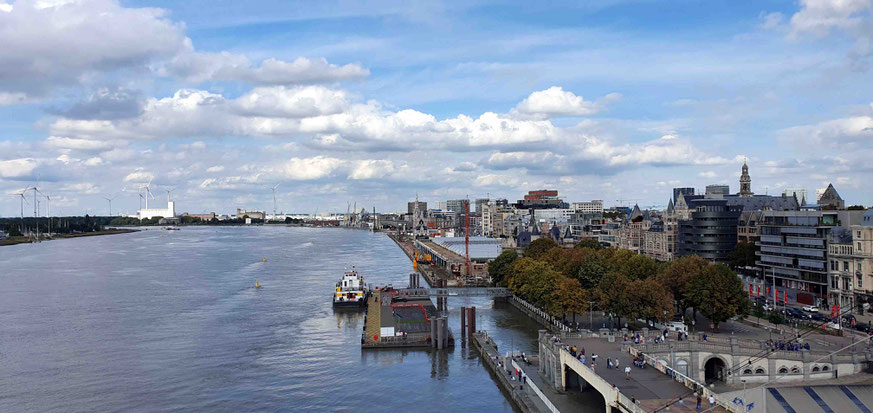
[(785, 296), (833, 308), (750, 290), (758, 290)]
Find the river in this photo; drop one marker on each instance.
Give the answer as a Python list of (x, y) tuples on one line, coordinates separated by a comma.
[(170, 321)]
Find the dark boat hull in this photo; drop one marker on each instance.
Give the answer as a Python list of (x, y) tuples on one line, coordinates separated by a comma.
[(349, 304)]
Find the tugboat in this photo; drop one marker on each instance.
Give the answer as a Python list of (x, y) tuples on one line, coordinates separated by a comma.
[(351, 291)]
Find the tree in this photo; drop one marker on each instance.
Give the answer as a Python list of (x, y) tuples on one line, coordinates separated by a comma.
[(650, 300), (612, 294), (589, 243), (568, 297), (539, 247), (593, 268), (500, 267), (533, 280), (743, 255), (718, 294), (677, 275)]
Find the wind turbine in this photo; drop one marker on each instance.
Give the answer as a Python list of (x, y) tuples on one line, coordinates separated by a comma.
[(35, 202), (274, 199), (168, 195), (148, 193), (23, 200), (110, 203)]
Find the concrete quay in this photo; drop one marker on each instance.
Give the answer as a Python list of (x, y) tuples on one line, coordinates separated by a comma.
[(410, 321)]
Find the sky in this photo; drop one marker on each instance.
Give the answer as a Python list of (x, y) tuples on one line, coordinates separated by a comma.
[(372, 102)]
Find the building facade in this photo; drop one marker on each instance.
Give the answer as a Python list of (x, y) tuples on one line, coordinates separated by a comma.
[(711, 230)]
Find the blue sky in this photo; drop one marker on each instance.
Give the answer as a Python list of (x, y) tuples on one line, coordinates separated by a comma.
[(373, 102)]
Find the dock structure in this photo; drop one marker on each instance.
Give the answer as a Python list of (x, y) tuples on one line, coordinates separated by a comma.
[(404, 321)]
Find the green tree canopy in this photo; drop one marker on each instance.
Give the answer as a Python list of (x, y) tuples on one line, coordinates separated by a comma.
[(539, 247), (591, 243), (500, 267), (677, 275), (718, 294), (743, 255), (568, 297), (534, 280), (593, 268)]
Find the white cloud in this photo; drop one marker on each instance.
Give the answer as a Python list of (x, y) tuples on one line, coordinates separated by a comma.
[(309, 168), (224, 66), (17, 168), (820, 16), (82, 188), (858, 129), (139, 176), (707, 174), (80, 144), (298, 102), (554, 101), (496, 180), (217, 168), (371, 169), (94, 161), (52, 45)]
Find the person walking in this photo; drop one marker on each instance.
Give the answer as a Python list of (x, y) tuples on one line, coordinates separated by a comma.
[(699, 400), (711, 401), (608, 363), (615, 363), (627, 373)]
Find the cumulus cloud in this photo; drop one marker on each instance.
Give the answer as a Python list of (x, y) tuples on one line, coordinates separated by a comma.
[(492, 180), (309, 168), (371, 169), (17, 168), (555, 101), (819, 17), (855, 130), (224, 66), (57, 44), (105, 103), (297, 102), (139, 176), (61, 142)]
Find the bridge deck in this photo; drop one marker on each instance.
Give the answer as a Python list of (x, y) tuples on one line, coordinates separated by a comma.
[(649, 386), (453, 292)]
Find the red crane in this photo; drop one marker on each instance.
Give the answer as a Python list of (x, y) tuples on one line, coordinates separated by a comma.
[(467, 236)]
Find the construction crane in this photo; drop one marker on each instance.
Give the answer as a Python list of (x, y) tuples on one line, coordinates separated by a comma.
[(622, 201), (467, 237)]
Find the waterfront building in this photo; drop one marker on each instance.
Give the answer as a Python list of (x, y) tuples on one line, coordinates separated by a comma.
[(656, 242), (862, 240), (842, 268), (541, 199), (745, 182), (799, 194), (410, 206), (711, 231), (148, 213), (793, 254), (830, 199), (593, 207)]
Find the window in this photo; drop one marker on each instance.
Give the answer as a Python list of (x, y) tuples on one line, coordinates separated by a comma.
[(845, 266), (747, 371), (760, 371), (783, 370), (815, 369), (795, 370), (825, 368)]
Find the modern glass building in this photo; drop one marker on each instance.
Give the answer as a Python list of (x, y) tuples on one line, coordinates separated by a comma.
[(711, 233)]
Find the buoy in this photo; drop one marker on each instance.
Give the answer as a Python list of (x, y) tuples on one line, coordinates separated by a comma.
[(265, 260), (257, 284)]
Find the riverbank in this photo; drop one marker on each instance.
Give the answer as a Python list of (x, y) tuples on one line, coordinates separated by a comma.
[(26, 240)]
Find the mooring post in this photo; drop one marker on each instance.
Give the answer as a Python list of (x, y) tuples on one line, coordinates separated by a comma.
[(463, 322), (472, 320), (433, 332), (441, 335)]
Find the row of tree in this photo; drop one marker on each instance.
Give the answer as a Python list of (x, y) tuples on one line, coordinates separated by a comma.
[(57, 225), (627, 285)]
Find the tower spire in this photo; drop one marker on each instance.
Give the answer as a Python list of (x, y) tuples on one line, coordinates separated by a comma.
[(745, 181)]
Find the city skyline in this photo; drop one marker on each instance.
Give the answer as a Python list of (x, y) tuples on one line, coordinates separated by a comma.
[(340, 103)]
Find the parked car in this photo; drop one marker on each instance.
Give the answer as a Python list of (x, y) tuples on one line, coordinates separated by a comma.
[(818, 317), (796, 313), (767, 307), (810, 308)]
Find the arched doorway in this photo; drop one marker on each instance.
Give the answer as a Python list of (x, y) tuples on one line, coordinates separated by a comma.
[(714, 369)]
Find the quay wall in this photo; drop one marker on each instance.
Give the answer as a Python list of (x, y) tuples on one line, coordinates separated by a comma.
[(540, 316), (488, 353)]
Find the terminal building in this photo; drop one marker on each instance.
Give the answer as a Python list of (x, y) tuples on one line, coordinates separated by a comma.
[(168, 212)]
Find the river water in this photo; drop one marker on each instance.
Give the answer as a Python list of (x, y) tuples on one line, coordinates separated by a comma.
[(170, 321)]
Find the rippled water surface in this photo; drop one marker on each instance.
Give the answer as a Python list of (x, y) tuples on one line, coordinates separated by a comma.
[(170, 321)]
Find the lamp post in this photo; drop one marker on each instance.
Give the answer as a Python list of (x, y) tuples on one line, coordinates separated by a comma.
[(590, 320)]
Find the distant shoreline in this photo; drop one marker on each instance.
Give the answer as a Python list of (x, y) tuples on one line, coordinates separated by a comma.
[(28, 240)]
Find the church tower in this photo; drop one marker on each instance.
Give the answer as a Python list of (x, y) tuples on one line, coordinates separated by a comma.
[(745, 182)]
